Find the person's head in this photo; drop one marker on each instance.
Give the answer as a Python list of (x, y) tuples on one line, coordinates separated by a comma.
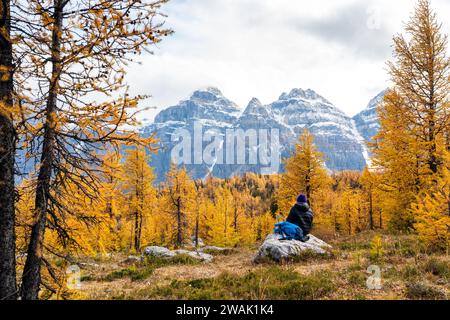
[(302, 199)]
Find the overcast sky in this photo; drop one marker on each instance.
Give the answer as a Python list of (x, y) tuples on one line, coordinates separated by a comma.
[(261, 48)]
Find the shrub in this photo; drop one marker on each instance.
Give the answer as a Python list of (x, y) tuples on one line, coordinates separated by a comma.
[(132, 272), (353, 246), (411, 272), (225, 252), (420, 290), (357, 278), (438, 268), (308, 255), (119, 274), (376, 248), (87, 277)]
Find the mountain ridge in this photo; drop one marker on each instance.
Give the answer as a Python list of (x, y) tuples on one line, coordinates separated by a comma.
[(337, 135)]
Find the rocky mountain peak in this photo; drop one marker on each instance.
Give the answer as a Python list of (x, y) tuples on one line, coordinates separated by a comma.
[(373, 104), (207, 94), (254, 103), (208, 103), (298, 93)]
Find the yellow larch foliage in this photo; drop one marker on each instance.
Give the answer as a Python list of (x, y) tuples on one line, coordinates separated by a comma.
[(139, 194), (432, 211), (304, 173), (178, 204), (221, 221), (414, 117)]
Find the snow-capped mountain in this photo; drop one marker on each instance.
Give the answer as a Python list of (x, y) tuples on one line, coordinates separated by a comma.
[(336, 134), (207, 104), (367, 120), (207, 107)]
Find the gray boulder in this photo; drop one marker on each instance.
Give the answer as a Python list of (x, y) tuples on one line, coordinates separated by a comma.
[(195, 254), (159, 252), (201, 256), (181, 251), (275, 249), (133, 260)]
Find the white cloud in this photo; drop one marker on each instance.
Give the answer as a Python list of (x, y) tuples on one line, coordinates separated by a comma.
[(262, 48)]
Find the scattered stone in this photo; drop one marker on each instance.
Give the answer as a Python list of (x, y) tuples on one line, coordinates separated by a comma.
[(281, 250), (201, 256), (195, 254), (200, 242), (441, 282), (134, 259), (162, 252), (88, 265), (159, 252), (181, 251)]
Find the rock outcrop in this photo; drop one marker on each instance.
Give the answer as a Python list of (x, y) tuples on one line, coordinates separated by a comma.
[(161, 252), (283, 250)]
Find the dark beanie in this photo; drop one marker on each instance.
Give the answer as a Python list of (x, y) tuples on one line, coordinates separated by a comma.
[(302, 198)]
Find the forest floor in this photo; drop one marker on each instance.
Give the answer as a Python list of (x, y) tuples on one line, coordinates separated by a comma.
[(406, 273)]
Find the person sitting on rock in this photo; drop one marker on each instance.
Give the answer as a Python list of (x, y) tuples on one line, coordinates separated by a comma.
[(302, 216)]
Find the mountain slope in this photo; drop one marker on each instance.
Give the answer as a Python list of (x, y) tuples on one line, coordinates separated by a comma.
[(367, 120), (207, 107)]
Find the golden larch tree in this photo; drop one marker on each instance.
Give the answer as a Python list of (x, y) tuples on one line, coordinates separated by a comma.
[(414, 116), (77, 52), (304, 173), (179, 204), (137, 187)]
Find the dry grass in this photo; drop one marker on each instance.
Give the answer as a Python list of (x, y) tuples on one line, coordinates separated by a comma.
[(407, 273)]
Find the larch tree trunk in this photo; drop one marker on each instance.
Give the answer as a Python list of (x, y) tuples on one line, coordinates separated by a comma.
[(179, 224), (197, 224), (8, 289), (31, 278), (235, 220), (137, 245), (381, 220), (197, 213), (371, 225)]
